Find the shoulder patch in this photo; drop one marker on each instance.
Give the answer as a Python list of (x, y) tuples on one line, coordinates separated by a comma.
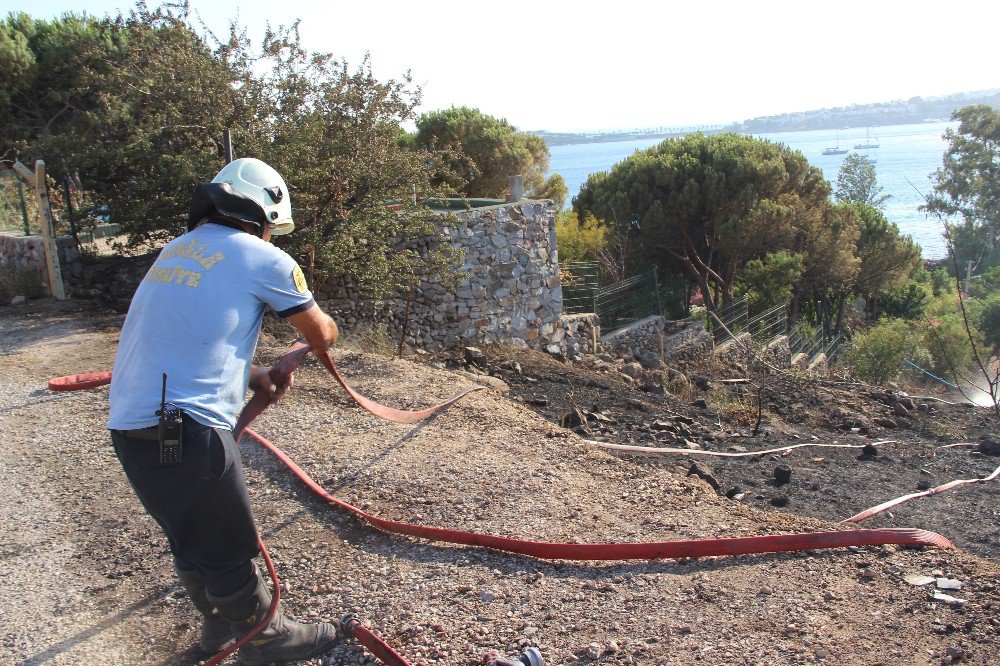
[(300, 280)]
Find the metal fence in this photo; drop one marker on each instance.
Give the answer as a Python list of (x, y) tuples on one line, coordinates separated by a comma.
[(580, 281), (768, 325), (735, 318), (622, 303)]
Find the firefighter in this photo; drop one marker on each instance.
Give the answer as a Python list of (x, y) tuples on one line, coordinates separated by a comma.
[(180, 378)]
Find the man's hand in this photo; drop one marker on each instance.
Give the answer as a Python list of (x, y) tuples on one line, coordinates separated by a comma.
[(260, 380)]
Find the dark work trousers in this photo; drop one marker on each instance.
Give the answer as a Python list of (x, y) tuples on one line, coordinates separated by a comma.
[(202, 505)]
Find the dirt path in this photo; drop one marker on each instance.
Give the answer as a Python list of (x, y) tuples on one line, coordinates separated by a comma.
[(88, 579)]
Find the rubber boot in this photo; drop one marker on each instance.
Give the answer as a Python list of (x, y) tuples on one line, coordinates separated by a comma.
[(216, 633), (282, 639)]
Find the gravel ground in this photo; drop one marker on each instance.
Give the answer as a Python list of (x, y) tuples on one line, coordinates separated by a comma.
[(88, 578)]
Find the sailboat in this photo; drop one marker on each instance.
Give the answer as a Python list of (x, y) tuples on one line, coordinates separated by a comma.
[(835, 151), (868, 141)]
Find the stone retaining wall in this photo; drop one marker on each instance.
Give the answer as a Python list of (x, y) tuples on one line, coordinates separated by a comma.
[(27, 253), (667, 340)]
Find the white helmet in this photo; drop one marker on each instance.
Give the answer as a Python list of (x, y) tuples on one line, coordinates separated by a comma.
[(248, 190)]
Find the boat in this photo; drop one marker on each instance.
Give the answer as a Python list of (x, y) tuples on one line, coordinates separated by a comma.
[(871, 159), (868, 144), (835, 151)]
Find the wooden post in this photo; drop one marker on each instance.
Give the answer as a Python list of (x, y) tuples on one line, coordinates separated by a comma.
[(48, 233)]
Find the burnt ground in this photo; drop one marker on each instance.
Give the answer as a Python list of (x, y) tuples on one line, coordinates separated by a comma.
[(88, 578), (703, 406)]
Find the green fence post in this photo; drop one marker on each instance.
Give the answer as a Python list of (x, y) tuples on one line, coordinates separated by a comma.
[(656, 286), (24, 208), (69, 211)]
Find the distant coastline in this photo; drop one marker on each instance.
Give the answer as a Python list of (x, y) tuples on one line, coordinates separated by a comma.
[(880, 114)]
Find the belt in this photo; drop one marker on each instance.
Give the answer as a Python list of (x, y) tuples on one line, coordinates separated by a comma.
[(149, 434)]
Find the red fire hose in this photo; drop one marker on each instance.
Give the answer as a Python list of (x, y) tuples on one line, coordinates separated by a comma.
[(545, 550)]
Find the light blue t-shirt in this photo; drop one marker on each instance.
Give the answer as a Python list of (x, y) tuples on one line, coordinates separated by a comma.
[(196, 316)]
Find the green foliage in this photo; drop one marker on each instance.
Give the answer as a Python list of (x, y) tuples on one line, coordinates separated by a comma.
[(986, 283), (707, 204), (937, 280), (580, 240), (553, 188), (877, 355), (857, 183), (137, 105), (768, 281), (908, 302), (332, 131), (987, 319), (478, 153), (947, 342), (966, 185)]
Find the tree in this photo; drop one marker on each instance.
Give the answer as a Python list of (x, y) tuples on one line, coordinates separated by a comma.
[(478, 153), (768, 282), (553, 188), (888, 258), (967, 185), (856, 183), (707, 204), (827, 238)]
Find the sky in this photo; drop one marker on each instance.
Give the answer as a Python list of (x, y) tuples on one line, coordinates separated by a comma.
[(584, 65)]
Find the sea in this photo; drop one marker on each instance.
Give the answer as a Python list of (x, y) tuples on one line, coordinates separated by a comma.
[(904, 161)]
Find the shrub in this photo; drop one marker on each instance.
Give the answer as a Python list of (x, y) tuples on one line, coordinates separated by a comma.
[(877, 354), (987, 319)]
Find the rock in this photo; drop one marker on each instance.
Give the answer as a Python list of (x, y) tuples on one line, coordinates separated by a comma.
[(650, 387), (948, 584), (700, 403), (474, 355), (900, 409), (661, 425), (822, 654), (538, 402), (487, 596), (513, 366), (918, 580), (633, 370), (869, 450), (989, 446), (704, 472), (594, 651), (17, 300), (884, 422), (649, 360), (948, 599), (574, 418), (779, 500), (868, 575), (782, 474), (956, 653), (923, 484)]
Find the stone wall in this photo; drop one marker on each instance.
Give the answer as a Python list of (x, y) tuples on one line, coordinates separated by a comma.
[(509, 289), (664, 339), (27, 253)]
